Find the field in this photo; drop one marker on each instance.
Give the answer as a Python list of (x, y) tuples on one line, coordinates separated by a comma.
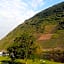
[(21, 61)]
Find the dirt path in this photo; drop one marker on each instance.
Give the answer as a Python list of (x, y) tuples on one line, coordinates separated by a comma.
[(45, 37)]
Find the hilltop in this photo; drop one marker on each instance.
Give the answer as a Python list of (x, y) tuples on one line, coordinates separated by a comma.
[(47, 27)]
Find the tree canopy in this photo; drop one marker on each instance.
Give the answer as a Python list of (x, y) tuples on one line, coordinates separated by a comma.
[(23, 47)]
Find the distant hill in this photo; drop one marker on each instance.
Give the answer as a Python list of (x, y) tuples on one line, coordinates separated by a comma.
[(47, 27)]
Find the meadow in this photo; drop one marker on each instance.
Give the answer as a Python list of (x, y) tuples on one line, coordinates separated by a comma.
[(29, 61)]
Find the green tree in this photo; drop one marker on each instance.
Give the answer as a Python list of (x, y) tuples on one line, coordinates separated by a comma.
[(23, 47)]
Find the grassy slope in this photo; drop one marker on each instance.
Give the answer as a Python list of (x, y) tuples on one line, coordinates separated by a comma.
[(47, 22)]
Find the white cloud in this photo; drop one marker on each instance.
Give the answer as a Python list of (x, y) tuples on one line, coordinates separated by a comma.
[(14, 12), (36, 3)]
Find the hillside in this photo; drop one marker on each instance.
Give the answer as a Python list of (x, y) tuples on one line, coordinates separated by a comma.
[(47, 27)]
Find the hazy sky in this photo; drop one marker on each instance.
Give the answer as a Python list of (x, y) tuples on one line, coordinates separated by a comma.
[(14, 12)]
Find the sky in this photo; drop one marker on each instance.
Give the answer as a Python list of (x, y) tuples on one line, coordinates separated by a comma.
[(15, 12)]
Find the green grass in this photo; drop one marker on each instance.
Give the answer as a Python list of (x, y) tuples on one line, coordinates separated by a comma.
[(36, 61), (4, 58)]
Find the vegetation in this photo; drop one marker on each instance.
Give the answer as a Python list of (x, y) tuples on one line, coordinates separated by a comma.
[(54, 55), (4, 58), (20, 61), (25, 38), (23, 47), (48, 21)]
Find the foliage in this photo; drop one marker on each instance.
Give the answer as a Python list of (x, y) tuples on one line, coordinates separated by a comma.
[(23, 47), (54, 55), (48, 21)]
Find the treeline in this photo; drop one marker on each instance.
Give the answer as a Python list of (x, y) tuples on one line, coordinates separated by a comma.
[(54, 55), (24, 47)]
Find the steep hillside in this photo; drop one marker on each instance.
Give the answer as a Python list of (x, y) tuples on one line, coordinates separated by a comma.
[(47, 27)]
